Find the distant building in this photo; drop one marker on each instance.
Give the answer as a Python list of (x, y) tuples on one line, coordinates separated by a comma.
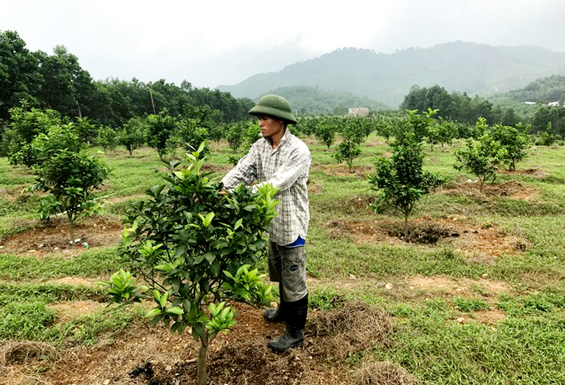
[(552, 104), (359, 111)]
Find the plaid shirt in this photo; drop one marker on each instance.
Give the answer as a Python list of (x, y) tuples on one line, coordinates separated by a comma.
[(286, 168)]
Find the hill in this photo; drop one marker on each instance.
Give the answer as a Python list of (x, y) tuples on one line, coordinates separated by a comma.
[(549, 89), (314, 101), (458, 66), (541, 91)]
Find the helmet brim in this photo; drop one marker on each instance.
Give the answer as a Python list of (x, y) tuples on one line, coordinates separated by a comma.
[(264, 110)]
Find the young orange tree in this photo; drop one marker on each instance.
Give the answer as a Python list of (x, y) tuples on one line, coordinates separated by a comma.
[(188, 240), (400, 179)]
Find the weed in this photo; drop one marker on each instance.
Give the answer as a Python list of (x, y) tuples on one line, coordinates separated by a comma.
[(468, 305)]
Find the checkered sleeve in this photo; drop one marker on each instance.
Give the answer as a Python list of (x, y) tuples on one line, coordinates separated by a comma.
[(244, 172), (296, 164)]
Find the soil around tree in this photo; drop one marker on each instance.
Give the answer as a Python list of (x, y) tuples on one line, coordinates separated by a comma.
[(479, 241), (149, 356), (46, 238)]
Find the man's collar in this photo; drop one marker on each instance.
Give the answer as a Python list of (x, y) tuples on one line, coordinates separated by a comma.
[(286, 135), (284, 138)]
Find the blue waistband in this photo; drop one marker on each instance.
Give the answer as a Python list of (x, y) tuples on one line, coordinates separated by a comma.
[(299, 242)]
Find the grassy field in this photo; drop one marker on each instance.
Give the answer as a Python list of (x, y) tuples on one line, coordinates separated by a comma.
[(477, 298)]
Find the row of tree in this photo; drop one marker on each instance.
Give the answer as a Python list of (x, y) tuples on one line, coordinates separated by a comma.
[(461, 108), (58, 82)]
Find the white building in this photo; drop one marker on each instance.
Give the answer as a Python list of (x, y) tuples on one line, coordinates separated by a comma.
[(359, 111)]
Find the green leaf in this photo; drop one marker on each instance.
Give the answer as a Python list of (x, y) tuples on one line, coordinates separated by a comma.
[(175, 310), (153, 312), (210, 257)]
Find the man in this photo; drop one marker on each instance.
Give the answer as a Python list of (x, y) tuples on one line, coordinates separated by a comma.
[(283, 160)]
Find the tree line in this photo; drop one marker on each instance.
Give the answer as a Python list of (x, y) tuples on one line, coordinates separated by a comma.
[(58, 82), (459, 107)]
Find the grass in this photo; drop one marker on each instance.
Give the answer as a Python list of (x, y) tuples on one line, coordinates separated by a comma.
[(524, 345), (91, 263)]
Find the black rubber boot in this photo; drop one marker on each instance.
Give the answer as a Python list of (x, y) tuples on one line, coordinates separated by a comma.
[(278, 314), (291, 338), (275, 315), (296, 320)]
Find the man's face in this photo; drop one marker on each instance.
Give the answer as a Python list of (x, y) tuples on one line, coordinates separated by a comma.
[(270, 126)]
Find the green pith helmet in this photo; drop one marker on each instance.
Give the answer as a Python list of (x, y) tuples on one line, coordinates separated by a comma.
[(274, 105)]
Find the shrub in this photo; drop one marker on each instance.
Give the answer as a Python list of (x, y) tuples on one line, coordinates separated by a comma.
[(400, 180), (183, 240)]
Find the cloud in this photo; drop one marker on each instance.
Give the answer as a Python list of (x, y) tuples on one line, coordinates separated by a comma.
[(223, 42)]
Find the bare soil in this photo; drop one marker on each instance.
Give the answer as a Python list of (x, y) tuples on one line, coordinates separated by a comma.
[(44, 238), (146, 355), (477, 241), (342, 169), (511, 188)]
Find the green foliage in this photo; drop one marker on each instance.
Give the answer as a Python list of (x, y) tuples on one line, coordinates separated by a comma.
[(187, 234), (242, 135), (477, 157), (247, 286), (551, 88), (347, 151), (549, 119), (496, 146), (160, 131), (234, 135), (401, 180), (19, 74), (46, 146), (121, 288), (326, 130), (133, 134), (67, 87), (441, 132), (482, 156), (191, 133), (85, 129), (71, 178), (470, 304), (25, 126), (25, 320), (546, 138), (107, 138), (306, 125), (415, 125), (513, 142), (221, 318)]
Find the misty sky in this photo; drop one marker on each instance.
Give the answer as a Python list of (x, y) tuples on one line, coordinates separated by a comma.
[(221, 42)]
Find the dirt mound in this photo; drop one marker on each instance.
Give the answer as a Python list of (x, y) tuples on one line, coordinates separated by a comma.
[(511, 188), (426, 233), (151, 356), (53, 236), (330, 336), (353, 328), (25, 352), (479, 241)]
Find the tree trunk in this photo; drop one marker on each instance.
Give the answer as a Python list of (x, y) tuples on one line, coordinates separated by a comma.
[(406, 228), (71, 230), (202, 377)]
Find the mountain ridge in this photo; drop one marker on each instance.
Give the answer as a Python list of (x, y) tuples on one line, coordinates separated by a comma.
[(466, 67)]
